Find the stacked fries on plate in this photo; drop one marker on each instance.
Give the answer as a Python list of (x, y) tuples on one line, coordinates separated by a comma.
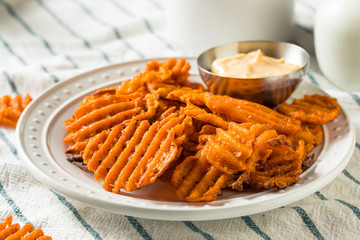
[(160, 125)]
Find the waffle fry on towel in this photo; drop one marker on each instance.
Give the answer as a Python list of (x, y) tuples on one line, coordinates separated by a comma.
[(11, 231), (158, 125), (11, 109)]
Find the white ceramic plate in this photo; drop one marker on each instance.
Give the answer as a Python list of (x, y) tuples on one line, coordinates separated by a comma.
[(41, 130)]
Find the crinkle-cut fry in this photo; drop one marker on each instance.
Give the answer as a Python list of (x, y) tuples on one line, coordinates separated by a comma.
[(93, 146), (7, 122), (89, 106), (311, 134), (277, 182), (165, 126), (101, 113), (27, 228), (6, 222), (10, 230), (210, 186), (196, 180), (77, 148), (124, 156), (202, 115), (279, 176), (167, 112), (191, 171), (11, 109), (260, 151), (221, 158), (202, 135), (177, 66), (183, 170), (278, 170), (161, 89), (174, 70), (240, 145), (134, 85), (103, 124), (315, 109), (180, 67), (44, 238), (168, 153), (115, 151), (140, 150), (185, 94), (110, 140), (101, 92), (163, 76), (240, 111), (152, 104), (245, 132), (35, 235)]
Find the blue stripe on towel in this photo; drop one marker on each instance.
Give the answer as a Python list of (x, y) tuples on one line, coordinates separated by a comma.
[(28, 28), (353, 208), (115, 30), (139, 228), (157, 5), (13, 205), (307, 5), (63, 200), (357, 145), (348, 175), (312, 79), (254, 227), (51, 75), (8, 143), (197, 230), (59, 21), (11, 51), (355, 97), (309, 224), (320, 196), (11, 83), (146, 22), (305, 29)]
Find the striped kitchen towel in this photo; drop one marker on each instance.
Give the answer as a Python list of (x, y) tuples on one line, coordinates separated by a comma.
[(43, 42)]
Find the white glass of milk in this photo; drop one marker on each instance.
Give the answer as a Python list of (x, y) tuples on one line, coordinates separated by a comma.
[(337, 42), (196, 25)]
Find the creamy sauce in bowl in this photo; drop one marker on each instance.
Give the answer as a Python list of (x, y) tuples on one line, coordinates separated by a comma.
[(251, 65)]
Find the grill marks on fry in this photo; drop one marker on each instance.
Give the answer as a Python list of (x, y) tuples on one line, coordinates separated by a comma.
[(11, 231)]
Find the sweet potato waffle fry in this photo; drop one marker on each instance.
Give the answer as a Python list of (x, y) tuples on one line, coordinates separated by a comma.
[(159, 125), (11, 231), (314, 109), (11, 109)]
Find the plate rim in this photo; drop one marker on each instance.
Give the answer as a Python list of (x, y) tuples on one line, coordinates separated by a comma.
[(164, 213)]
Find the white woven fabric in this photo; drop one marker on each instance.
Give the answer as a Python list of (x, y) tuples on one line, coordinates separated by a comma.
[(45, 41)]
